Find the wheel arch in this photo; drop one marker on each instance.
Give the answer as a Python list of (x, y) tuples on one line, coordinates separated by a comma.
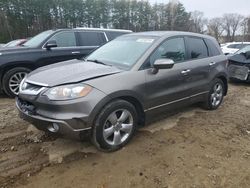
[(12, 65), (127, 96), (224, 79)]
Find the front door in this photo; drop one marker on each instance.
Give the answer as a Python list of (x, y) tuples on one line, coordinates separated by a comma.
[(66, 49), (167, 86)]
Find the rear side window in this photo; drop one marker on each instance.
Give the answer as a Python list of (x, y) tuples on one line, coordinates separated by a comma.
[(112, 34), (64, 39), (91, 38), (196, 48), (212, 48)]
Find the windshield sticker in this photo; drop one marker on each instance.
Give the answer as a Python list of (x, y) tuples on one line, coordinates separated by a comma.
[(145, 40)]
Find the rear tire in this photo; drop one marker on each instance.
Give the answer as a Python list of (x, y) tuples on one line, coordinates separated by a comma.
[(12, 79), (114, 126), (215, 95)]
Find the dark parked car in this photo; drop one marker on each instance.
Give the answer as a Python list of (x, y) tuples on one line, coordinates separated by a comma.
[(49, 47), (123, 82), (239, 65)]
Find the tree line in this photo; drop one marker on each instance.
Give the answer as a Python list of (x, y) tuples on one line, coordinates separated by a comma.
[(25, 18)]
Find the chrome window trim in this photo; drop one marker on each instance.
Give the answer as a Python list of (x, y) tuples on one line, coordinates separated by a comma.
[(105, 35), (175, 101), (43, 47), (103, 29), (71, 47)]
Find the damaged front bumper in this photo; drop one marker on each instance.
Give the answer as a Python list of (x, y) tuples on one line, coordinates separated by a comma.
[(239, 72), (47, 124)]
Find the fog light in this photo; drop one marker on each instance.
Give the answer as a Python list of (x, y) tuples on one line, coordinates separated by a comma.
[(53, 128)]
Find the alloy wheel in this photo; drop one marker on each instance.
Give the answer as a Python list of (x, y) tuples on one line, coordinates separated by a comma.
[(15, 81), (217, 94), (118, 127)]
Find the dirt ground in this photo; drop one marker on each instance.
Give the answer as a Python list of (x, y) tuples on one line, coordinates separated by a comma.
[(192, 148)]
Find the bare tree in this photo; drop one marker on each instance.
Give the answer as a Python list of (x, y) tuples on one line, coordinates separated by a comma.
[(198, 22), (215, 27), (248, 31), (244, 26), (232, 24)]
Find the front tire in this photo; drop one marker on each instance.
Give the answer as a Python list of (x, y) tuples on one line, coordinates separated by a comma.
[(12, 80), (115, 125), (215, 95)]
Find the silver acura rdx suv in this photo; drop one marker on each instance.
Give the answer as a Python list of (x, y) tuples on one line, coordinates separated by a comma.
[(111, 92)]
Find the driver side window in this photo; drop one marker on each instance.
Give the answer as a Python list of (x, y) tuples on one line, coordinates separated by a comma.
[(64, 39), (171, 49)]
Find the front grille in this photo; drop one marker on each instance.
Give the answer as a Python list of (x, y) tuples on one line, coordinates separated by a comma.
[(30, 89), (26, 106)]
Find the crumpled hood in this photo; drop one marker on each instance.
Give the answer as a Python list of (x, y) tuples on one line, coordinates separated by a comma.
[(71, 71), (240, 58)]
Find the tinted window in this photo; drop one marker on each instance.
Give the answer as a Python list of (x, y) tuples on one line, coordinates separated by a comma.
[(235, 46), (172, 49), (91, 38), (212, 48), (65, 39), (197, 48), (112, 34)]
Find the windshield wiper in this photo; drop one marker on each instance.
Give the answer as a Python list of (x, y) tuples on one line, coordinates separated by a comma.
[(98, 62)]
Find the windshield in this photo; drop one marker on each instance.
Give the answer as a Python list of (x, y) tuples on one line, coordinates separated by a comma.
[(36, 40), (243, 50), (122, 52)]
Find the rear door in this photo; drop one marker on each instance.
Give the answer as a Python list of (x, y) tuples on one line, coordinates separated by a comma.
[(88, 41), (199, 62)]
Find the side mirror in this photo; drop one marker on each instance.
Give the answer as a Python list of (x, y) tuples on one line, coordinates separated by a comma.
[(51, 44), (162, 64)]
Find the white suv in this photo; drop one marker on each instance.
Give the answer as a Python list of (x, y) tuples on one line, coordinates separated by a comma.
[(231, 48)]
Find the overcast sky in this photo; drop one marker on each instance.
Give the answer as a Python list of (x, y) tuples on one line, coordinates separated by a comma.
[(215, 8)]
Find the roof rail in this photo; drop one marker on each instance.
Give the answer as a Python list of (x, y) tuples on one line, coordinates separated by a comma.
[(103, 29)]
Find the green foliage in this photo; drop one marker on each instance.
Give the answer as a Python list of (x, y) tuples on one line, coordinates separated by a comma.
[(25, 18)]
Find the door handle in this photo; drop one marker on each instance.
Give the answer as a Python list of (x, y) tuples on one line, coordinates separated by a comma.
[(75, 52), (185, 71), (212, 63)]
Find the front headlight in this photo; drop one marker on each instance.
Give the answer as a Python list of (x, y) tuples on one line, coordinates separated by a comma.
[(67, 92)]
